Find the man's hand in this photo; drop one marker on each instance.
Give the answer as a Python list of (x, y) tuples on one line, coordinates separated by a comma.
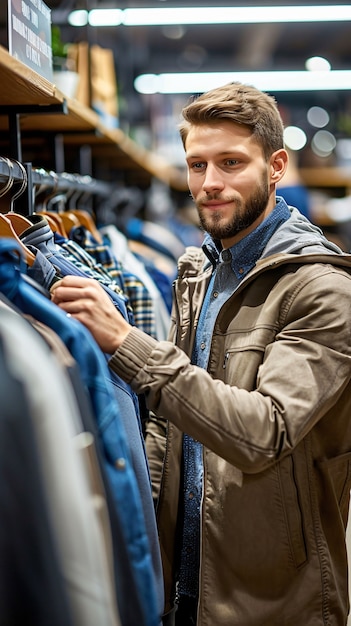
[(87, 301)]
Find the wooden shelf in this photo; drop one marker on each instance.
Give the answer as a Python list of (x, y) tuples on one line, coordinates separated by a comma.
[(81, 126), (24, 87), (321, 177), (21, 85)]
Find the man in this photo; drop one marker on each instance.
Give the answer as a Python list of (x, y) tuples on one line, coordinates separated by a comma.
[(249, 441)]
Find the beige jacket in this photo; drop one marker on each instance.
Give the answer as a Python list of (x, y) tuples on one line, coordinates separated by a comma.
[(274, 415)]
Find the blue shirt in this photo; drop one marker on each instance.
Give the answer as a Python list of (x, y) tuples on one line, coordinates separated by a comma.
[(229, 268), (142, 606)]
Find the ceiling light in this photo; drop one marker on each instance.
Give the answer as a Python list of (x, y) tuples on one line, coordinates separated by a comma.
[(97, 17), (275, 81), (314, 64), (78, 18), (323, 143), (216, 15), (318, 117), (294, 138)]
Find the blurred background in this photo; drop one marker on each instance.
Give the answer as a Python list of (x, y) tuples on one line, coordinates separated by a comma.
[(136, 70)]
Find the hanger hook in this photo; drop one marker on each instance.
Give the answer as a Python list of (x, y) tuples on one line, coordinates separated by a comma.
[(9, 181), (23, 186)]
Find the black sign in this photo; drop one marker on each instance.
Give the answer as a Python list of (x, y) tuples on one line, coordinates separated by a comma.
[(30, 35)]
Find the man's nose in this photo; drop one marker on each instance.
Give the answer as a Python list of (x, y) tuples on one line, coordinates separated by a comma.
[(213, 180)]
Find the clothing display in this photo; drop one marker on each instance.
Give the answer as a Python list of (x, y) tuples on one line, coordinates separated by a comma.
[(197, 473), (93, 476)]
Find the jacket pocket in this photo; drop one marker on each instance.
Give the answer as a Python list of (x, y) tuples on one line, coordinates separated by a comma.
[(292, 511), (243, 355)]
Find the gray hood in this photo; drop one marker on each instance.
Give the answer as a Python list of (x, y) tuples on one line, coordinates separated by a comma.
[(299, 236)]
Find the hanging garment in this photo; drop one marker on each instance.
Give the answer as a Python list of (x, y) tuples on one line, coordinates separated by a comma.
[(121, 563), (118, 242), (70, 502), (32, 590), (138, 295), (118, 465), (40, 237)]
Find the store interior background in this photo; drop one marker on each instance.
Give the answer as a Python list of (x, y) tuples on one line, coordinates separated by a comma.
[(322, 163)]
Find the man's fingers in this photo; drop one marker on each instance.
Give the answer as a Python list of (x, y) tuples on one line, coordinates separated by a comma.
[(63, 291)]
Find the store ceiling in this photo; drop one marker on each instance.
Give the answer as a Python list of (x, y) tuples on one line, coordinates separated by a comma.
[(215, 47), (203, 48)]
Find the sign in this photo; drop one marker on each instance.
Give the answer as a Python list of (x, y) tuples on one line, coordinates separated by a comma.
[(29, 25)]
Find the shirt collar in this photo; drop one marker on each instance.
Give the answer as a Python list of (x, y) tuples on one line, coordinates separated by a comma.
[(248, 250)]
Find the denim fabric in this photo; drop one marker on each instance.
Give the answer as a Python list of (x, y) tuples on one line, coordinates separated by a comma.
[(117, 455), (155, 236), (40, 236)]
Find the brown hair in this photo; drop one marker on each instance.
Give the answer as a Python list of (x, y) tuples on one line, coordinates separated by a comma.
[(241, 104)]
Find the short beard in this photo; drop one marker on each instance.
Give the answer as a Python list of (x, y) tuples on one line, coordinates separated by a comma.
[(245, 214)]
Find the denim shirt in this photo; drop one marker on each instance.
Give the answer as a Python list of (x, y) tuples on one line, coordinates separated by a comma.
[(142, 607), (229, 268)]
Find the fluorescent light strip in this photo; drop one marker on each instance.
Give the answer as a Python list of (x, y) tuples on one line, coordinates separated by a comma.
[(235, 15), (275, 81), (105, 17), (210, 15)]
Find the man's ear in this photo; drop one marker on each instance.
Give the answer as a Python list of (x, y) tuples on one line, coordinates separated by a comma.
[(278, 164)]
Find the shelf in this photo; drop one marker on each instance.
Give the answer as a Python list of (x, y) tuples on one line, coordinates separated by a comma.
[(111, 147), (21, 85), (321, 177), (24, 87)]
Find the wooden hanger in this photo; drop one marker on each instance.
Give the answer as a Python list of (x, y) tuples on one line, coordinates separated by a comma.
[(19, 222), (54, 221), (87, 221), (55, 206), (69, 220), (7, 230)]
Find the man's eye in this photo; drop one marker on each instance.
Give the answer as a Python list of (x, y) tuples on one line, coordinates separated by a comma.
[(232, 162), (197, 166)]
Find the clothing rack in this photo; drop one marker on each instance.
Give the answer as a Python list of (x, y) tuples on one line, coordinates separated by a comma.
[(36, 180)]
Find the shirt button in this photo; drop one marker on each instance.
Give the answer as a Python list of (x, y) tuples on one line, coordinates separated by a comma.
[(215, 294), (203, 345), (191, 495), (241, 270), (120, 463)]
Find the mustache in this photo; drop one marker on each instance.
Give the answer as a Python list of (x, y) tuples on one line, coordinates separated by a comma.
[(214, 196)]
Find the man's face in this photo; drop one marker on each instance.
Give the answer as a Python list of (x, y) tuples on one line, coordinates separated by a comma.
[(229, 180)]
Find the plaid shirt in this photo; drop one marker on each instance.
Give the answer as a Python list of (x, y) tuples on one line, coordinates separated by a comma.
[(101, 261)]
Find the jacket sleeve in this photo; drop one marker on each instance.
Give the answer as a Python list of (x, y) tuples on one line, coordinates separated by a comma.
[(304, 372)]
